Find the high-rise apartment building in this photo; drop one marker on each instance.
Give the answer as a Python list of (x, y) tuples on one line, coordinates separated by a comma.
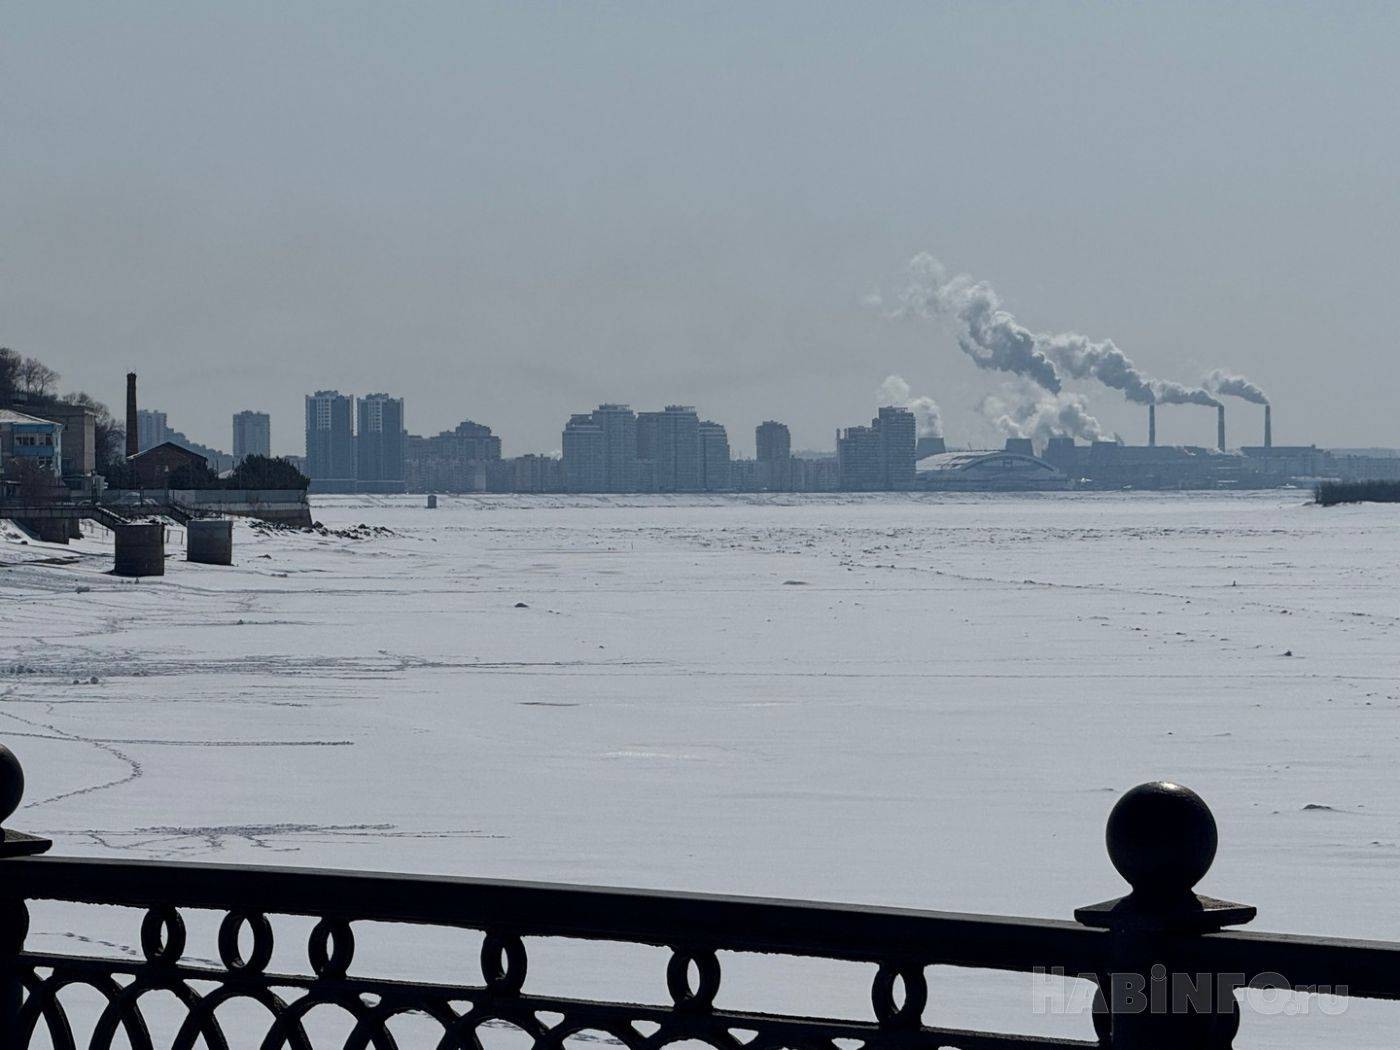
[(858, 459), (613, 449), (647, 424), (533, 473), (897, 432), (619, 425), (584, 457), (458, 460), (330, 440), (252, 435), (714, 457), (648, 427), (379, 444), (879, 457), (773, 470), (773, 440), (151, 429), (678, 450)]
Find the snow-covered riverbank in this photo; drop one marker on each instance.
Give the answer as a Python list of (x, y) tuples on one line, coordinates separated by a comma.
[(929, 702)]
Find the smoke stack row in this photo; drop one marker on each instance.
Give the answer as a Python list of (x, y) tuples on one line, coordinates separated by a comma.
[(1268, 427), (132, 447)]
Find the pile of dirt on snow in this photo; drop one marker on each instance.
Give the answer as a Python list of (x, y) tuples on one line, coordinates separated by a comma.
[(350, 532)]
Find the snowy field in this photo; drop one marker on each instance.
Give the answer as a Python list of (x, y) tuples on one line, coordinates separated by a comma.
[(917, 701)]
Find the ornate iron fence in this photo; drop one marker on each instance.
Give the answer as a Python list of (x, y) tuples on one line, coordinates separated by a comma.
[(1166, 974)]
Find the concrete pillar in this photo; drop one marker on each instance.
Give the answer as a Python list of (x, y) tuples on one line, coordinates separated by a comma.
[(48, 530), (140, 550), (209, 541)]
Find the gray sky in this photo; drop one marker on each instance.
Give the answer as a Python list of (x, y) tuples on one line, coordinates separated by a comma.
[(512, 212)]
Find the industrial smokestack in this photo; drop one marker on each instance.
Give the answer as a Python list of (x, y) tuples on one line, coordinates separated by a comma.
[(1268, 426), (1220, 426), (1152, 423), (132, 447)]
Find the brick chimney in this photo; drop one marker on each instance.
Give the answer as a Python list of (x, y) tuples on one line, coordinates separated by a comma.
[(1220, 426), (132, 446)]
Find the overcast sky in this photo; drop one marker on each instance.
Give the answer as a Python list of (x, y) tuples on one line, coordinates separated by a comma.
[(508, 213)]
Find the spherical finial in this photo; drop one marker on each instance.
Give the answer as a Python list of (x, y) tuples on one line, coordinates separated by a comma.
[(1162, 839), (11, 783)]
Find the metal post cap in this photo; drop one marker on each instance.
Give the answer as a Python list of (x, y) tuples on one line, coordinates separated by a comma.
[(14, 843), (11, 783), (1162, 839)]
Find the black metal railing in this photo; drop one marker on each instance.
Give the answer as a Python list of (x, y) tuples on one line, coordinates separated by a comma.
[(1165, 973)]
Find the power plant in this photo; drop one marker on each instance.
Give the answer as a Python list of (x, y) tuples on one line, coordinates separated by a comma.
[(1060, 462), (1072, 441)]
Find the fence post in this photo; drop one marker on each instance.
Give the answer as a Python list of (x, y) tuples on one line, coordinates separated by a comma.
[(1162, 839), (14, 913)]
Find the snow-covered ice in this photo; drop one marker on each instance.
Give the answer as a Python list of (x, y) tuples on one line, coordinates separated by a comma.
[(920, 701)]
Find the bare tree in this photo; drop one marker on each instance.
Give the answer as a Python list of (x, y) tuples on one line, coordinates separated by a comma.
[(36, 378)]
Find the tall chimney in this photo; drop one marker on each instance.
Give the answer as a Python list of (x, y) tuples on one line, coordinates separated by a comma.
[(1152, 423), (1220, 426), (132, 446), (1268, 425)]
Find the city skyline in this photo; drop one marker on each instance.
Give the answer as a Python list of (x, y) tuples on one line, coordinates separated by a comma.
[(606, 250), (1241, 414)]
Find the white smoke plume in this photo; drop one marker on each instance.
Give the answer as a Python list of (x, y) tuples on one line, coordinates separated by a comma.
[(986, 333), (1041, 416), (928, 420), (1083, 358), (1223, 382), (993, 338)]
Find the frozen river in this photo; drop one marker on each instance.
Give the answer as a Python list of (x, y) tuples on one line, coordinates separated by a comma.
[(928, 702)]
